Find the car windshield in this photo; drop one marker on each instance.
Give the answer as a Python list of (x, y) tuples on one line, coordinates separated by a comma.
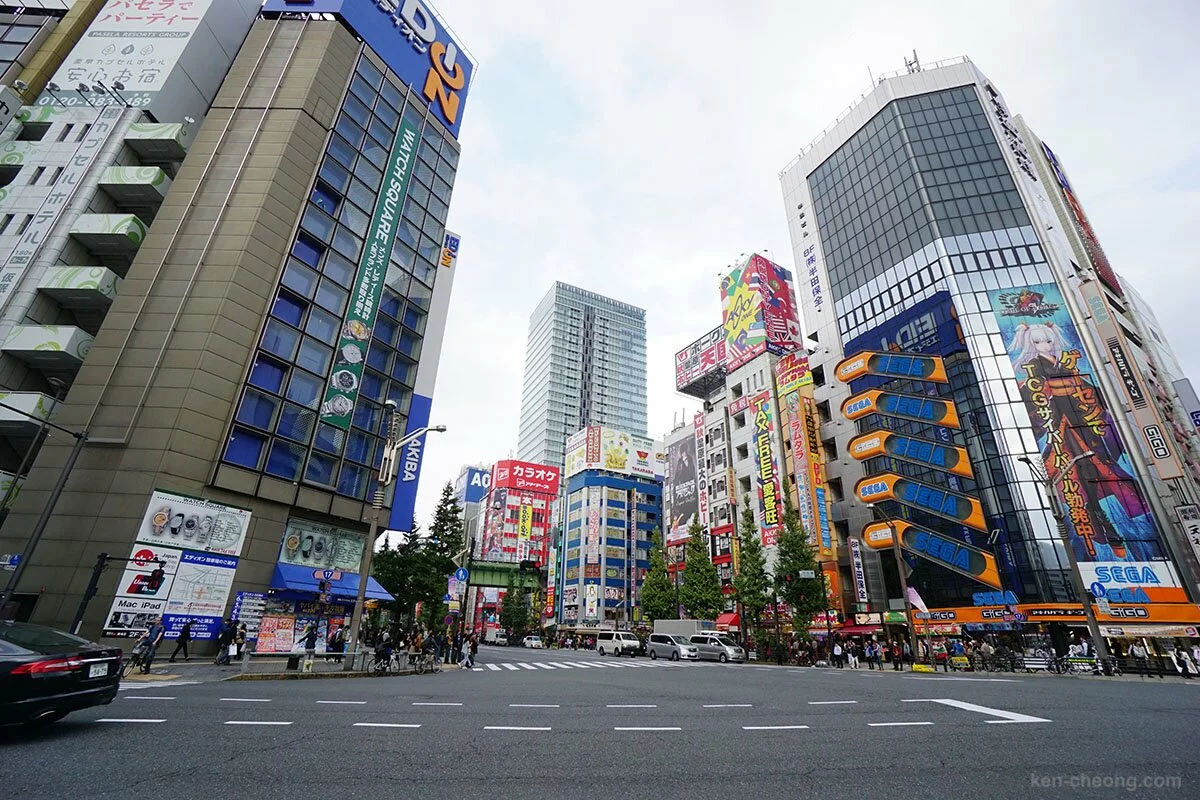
[(39, 639), (724, 641), (677, 639)]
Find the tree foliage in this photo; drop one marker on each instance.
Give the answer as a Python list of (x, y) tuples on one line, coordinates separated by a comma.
[(700, 595), (417, 569), (752, 585), (658, 594), (806, 596), (514, 609)]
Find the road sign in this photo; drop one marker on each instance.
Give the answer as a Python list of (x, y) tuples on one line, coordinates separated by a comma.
[(1098, 589), (1019, 617), (327, 574), (461, 574), (806, 573), (1102, 605), (446, 598)]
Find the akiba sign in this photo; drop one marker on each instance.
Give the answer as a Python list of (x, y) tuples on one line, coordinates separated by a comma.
[(407, 35)]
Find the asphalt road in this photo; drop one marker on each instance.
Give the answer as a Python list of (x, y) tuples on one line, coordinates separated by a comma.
[(553, 724)]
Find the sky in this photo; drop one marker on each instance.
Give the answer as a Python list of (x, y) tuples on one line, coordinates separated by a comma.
[(633, 148)]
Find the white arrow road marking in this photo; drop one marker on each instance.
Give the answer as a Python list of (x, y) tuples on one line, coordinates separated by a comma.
[(1006, 716)]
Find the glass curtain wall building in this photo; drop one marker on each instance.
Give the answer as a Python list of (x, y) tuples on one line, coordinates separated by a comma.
[(585, 364), (906, 218)]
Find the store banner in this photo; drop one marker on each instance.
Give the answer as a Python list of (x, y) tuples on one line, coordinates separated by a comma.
[(1110, 521), (860, 574), (193, 523), (592, 546), (248, 607), (1189, 518), (769, 500), (201, 586), (311, 544), (342, 393), (701, 471), (681, 489)]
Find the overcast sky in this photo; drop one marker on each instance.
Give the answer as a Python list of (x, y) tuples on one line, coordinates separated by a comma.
[(633, 148)]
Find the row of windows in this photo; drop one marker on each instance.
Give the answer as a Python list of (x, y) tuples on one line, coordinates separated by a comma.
[(277, 427)]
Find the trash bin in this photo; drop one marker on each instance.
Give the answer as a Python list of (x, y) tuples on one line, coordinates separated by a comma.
[(293, 663)]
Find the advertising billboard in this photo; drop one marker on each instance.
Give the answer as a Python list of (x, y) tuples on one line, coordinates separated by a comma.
[(1084, 228), (792, 415), (701, 474), (135, 44), (1110, 522), (858, 571), (193, 523), (493, 526), (525, 476), (592, 535), (311, 544), (705, 355), (758, 311), (350, 357), (930, 326), (609, 449), (476, 483), (413, 42), (918, 408), (791, 373), (766, 468), (681, 489)]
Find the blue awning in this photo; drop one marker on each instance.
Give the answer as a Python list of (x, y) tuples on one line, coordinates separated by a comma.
[(302, 579)]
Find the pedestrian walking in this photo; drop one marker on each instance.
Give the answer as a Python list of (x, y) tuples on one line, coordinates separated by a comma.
[(1138, 653), (225, 641), (185, 637), (1183, 661), (239, 639), (154, 637), (897, 657), (837, 655), (339, 644), (852, 655), (465, 660)]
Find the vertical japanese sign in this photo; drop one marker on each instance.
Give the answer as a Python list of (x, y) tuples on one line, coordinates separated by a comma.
[(769, 501), (133, 42), (592, 543), (342, 392), (58, 197), (551, 580), (816, 458), (860, 574), (792, 380), (812, 268), (524, 527), (1110, 522), (701, 471), (1189, 518)]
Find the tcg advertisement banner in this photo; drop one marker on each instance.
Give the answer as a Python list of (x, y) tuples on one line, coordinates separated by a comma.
[(1110, 522)]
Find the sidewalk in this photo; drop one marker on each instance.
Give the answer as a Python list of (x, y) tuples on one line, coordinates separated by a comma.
[(1043, 674), (261, 668)]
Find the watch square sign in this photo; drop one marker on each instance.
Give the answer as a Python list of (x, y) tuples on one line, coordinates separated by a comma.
[(412, 40)]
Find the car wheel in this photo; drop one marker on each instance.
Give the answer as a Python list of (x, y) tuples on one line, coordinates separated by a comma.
[(675, 656), (654, 655), (600, 651), (723, 658)]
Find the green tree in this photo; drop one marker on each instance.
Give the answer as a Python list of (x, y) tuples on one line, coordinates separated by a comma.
[(658, 593), (700, 595), (751, 585), (806, 596), (514, 609), (401, 570), (446, 532)]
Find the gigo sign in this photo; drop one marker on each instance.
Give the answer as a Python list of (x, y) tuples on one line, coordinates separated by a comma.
[(406, 34)]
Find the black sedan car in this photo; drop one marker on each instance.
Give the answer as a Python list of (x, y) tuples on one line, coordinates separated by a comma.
[(46, 674)]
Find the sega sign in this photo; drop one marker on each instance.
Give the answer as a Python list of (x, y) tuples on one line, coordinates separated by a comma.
[(406, 35)]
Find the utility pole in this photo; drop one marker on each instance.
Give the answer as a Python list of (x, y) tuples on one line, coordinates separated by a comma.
[(1052, 488)]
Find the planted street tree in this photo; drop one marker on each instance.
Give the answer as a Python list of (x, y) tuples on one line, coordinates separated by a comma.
[(658, 593), (806, 596), (700, 595), (514, 609), (751, 585)]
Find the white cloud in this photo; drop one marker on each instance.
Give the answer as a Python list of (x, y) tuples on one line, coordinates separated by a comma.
[(633, 148)]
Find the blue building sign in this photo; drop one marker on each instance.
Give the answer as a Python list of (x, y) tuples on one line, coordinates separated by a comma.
[(407, 35)]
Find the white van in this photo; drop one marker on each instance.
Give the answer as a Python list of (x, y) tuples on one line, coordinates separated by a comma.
[(617, 642)]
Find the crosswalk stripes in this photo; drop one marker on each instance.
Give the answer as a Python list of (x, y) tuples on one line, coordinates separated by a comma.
[(534, 666)]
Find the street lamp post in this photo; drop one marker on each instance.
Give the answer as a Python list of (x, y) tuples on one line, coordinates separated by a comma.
[(387, 471), (1052, 487)]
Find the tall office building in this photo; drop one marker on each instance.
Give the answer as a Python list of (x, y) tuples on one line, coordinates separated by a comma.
[(585, 364), (922, 221), (296, 278)]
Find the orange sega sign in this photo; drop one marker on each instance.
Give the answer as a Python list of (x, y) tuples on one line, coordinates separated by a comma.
[(909, 366)]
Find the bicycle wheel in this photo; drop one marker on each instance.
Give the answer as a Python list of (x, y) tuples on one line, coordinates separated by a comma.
[(130, 665), (420, 666), (437, 666)]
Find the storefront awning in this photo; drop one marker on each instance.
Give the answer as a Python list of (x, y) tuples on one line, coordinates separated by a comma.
[(729, 622), (342, 585), (859, 630)]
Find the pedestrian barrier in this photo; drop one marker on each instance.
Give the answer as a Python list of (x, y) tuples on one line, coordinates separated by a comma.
[(1034, 663)]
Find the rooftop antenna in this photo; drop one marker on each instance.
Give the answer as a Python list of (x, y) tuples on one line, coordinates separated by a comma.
[(913, 66)]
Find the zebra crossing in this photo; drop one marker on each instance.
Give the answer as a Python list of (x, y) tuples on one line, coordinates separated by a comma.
[(536, 666)]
